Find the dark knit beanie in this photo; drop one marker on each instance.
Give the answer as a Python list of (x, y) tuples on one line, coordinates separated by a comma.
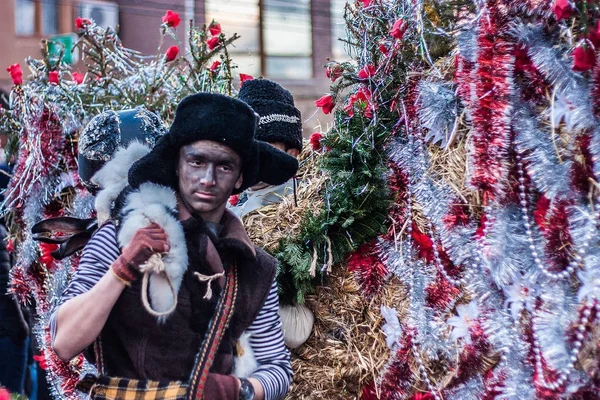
[(221, 119), (280, 120)]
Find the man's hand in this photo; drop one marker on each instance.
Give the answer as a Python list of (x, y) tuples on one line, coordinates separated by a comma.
[(146, 242)]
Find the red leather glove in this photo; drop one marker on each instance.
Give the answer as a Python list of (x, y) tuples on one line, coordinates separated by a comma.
[(146, 241), (221, 387)]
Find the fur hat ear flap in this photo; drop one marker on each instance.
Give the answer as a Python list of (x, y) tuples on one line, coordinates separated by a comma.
[(159, 166), (276, 166)]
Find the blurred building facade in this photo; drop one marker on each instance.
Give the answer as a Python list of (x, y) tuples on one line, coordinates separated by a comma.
[(288, 41)]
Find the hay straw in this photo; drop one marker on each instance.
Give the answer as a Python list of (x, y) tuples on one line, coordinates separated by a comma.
[(347, 348), (268, 225)]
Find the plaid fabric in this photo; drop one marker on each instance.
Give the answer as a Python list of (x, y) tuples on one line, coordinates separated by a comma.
[(107, 388)]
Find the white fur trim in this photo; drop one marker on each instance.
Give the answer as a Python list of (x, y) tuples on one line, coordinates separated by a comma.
[(245, 364), (153, 203), (112, 177)]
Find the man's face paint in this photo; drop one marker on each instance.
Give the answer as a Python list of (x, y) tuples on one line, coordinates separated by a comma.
[(208, 173)]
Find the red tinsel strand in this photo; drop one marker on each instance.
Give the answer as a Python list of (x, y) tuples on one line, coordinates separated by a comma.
[(533, 85), (368, 269), (397, 380), (397, 183), (471, 360), (491, 112), (441, 294), (369, 392), (558, 236), (456, 216), (583, 169), (66, 373), (541, 211), (423, 243), (463, 76), (595, 90)]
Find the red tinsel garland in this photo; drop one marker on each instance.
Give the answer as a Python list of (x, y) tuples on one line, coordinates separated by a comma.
[(491, 119), (368, 269), (397, 380)]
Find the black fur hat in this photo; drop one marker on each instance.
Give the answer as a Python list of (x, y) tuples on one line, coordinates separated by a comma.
[(221, 119), (280, 120)]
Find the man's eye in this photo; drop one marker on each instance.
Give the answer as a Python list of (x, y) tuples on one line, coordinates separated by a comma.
[(226, 168), (197, 163)]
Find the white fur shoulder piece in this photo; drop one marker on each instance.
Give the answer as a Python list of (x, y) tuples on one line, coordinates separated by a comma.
[(245, 363), (112, 177), (153, 203)]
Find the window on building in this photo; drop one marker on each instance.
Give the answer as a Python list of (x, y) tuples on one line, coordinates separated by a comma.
[(36, 17), (275, 35), (338, 30)]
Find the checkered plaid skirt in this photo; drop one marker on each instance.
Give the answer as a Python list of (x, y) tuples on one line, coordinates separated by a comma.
[(108, 388)]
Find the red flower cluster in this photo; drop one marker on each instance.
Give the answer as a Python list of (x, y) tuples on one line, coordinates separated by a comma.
[(80, 23), (399, 29), (367, 72), (171, 19), (53, 77), (562, 9), (362, 97), (171, 53), (215, 65), (212, 42), (326, 103), (584, 56), (78, 77), (315, 140), (214, 28), (334, 71), (16, 74)]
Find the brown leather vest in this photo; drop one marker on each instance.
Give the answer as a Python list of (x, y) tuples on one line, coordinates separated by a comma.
[(135, 345)]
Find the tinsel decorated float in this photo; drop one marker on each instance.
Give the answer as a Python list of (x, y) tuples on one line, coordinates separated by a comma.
[(445, 235)]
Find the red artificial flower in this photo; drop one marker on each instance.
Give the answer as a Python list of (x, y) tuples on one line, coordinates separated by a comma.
[(366, 3), (171, 53), (383, 48), (41, 360), (594, 35), (16, 74), (78, 77), (367, 72), (214, 28), (315, 140), (584, 56), (233, 200), (46, 258), (423, 243), (171, 18), (245, 77), (326, 103), (423, 396), (398, 29), (212, 42), (334, 71), (10, 246), (80, 23), (363, 97), (53, 77), (4, 394), (562, 9), (215, 65)]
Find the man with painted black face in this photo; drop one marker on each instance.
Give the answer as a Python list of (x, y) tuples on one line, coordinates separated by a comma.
[(185, 307)]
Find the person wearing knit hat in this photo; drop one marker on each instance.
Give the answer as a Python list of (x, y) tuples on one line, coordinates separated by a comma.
[(280, 125), (185, 304)]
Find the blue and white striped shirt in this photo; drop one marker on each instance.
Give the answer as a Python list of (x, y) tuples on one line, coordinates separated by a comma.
[(266, 338)]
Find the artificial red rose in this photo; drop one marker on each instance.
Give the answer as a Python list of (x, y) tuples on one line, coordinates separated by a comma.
[(53, 77), (41, 360), (212, 42), (214, 28), (171, 18), (234, 200), (562, 9), (80, 23), (367, 72), (584, 57), (383, 48), (245, 77), (594, 35), (326, 103), (4, 394), (215, 65), (171, 53), (16, 74), (398, 29), (78, 77), (315, 140), (366, 3), (334, 71), (46, 258)]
